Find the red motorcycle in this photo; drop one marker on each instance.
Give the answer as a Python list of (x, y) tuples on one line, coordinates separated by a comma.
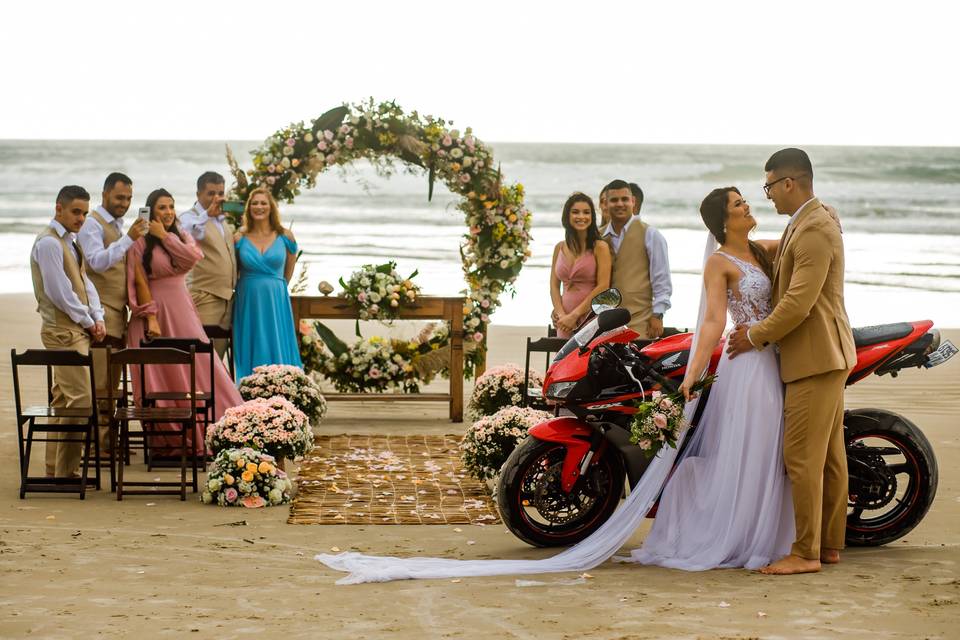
[(566, 479)]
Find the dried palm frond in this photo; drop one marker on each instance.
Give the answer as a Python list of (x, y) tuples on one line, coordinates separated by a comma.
[(240, 187)]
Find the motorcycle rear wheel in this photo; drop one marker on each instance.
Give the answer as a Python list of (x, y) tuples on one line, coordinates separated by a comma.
[(534, 506), (893, 476)]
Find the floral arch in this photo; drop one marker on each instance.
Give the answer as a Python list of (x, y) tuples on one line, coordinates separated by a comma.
[(496, 243)]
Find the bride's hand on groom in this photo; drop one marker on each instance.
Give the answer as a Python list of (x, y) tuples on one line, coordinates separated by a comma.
[(738, 342)]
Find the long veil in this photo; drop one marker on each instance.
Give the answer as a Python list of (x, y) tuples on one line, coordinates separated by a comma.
[(587, 554)]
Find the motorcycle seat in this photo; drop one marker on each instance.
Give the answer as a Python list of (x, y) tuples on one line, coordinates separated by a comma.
[(865, 336)]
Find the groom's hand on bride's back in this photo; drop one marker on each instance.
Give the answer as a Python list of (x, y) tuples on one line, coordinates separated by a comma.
[(738, 342)]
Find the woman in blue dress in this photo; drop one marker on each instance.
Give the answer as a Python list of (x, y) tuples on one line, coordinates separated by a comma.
[(263, 331)]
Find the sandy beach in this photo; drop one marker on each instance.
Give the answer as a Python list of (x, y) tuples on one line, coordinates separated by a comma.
[(157, 567)]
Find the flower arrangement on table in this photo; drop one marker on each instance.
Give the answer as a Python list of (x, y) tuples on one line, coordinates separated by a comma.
[(246, 477), (491, 439), (271, 425), (379, 292), (499, 387), (497, 242), (658, 421), (373, 364), (287, 381)]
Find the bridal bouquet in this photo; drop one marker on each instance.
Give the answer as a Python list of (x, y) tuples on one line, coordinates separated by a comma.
[(379, 292), (271, 425), (246, 478), (658, 421), (491, 439), (499, 387), (289, 382)]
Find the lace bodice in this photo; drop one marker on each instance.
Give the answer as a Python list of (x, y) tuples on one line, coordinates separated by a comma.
[(751, 303)]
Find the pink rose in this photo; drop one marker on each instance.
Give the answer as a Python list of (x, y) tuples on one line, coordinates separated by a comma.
[(645, 444), (464, 178), (485, 304), (328, 134), (361, 297), (447, 141), (666, 403), (660, 420), (230, 494), (253, 502), (291, 142), (478, 337), (348, 142), (374, 373), (322, 145)]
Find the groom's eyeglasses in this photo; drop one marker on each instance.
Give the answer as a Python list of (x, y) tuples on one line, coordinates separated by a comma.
[(769, 185)]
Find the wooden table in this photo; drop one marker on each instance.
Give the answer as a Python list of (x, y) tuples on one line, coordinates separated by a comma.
[(427, 308)]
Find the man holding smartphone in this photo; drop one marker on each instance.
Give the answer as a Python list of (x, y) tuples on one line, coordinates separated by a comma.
[(104, 246), (213, 280)]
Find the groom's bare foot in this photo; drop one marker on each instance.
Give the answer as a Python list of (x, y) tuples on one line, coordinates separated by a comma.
[(829, 556), (789, 565)]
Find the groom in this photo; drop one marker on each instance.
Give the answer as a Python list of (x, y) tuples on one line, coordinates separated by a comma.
[(809, 323)]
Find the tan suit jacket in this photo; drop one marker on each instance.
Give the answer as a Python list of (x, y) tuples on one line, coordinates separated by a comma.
[(809, 320)]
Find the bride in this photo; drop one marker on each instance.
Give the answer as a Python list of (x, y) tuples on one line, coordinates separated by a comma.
[(728, 501)]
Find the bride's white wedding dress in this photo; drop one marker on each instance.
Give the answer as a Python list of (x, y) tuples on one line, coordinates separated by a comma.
[(728, 504)]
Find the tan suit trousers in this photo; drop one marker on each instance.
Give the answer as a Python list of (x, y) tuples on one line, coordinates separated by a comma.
[(71, 388), (105, 379), (214, 310), (816, 461)]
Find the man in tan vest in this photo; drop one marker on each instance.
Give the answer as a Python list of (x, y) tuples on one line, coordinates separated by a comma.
[(70, 314), (809, 323), (105, 246), (214, 278), (641, 266)]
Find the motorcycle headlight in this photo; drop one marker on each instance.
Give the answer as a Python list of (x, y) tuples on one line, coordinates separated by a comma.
[(560, 389)]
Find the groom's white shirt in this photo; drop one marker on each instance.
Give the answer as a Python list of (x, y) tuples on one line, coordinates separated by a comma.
[(793, 218)]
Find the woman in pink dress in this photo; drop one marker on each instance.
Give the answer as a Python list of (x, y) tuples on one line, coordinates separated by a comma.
[(166, 255), (581, 265)]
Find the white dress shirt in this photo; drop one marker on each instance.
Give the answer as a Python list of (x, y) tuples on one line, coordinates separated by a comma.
[(98, 256), (658, 256), (194, 222), (48, 254)]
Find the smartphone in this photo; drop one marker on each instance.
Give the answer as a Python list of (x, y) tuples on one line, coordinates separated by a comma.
[(144, 214)]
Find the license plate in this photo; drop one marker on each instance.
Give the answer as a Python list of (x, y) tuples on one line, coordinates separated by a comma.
[(941, 355)]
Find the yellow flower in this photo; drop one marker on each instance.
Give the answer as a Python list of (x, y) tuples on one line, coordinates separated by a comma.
[(247, 475), (512, 217), (265, 467), (228, 478), (240, 463), (252, 467)]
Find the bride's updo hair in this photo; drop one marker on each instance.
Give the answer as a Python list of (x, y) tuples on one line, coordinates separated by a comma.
[(713, 210)]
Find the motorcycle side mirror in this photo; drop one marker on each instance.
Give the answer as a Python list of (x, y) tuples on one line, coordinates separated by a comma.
[(609, 299), (612, 318)]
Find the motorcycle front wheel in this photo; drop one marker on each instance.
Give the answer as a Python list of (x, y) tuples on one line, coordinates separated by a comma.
[(893, 476), (534, 506)]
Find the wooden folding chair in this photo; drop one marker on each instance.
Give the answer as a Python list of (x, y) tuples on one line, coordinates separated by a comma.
[(206, 400), (216, 332), (37, 421), (150, 416), (548, 345)]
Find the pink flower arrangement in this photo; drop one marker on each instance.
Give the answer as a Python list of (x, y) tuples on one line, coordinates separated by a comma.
[(246, 477), (491, 439), (287, 381), (500, 387), (271, 425)]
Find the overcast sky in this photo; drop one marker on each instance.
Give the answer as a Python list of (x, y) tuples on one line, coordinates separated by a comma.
[(801, 72)]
